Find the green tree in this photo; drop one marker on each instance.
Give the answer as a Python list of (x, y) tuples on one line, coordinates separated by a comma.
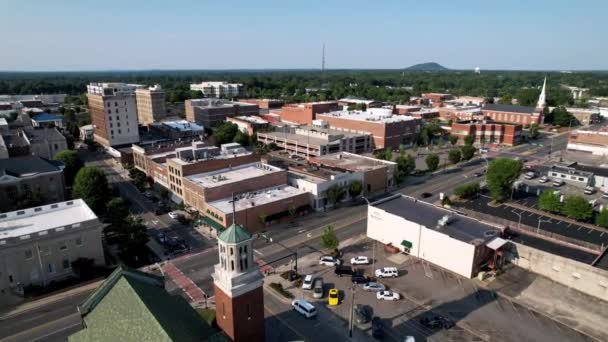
[(454, 156), (467, 152), (138, 177), (469, 140), (241, 138), (405, 165), (533, 131), (385, 154), (453, 139), (577, 207), (602, 218), (91, 185), (72, 164), (506, 99), (501, 174), (329, 239), (335, 193), (549, 201), (225, 133), (440, 142), (355, 188), (118, 211), (561, 117), (432, 162), (132, 235), (468, 190)]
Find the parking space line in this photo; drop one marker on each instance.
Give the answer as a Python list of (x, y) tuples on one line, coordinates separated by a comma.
[(530, 214), (580, 227), (590, 231), (514, 308), (569, 224), (534, 316)]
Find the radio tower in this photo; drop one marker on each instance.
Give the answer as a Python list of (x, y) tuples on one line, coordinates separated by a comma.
[(323, 67)]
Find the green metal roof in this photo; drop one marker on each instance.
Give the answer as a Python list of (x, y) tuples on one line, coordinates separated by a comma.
[(406, 244), (134, 306), (234, 234), (210, 222)]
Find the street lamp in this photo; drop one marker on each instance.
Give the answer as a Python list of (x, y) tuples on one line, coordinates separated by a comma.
[(518, 214), (539, 221), (373, 241), (352, 309)]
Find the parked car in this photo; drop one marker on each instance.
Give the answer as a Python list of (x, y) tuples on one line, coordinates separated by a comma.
[(333, 298), (343, 270), (373, 287), (359, 260), (437, 322), (317, 289), (589, 190), (173, 215), (426, 195), (161, 238), (363, 314), (358, 278), (483, 150), (304, 307), (307, 283), (328, 260), (387, 295), (529, 175), (558, 182), (477, 174), (387, 272), (543, 179), (377, 328)]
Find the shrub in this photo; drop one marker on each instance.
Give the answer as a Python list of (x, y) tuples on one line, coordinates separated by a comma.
[(279, 288)]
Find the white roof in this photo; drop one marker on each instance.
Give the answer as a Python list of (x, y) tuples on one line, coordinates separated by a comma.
[(183, 125), (372, 114), (37, 219), (232, 175), (256, 198), (496, 243)]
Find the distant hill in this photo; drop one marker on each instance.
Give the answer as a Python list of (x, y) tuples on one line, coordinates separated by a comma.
[(431, 66)]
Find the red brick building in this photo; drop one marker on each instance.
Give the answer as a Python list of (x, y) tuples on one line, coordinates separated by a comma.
[(460, 113), (264, 103), (519, 115), (388, 130), (436, 99), (487, 132), (304, 113)]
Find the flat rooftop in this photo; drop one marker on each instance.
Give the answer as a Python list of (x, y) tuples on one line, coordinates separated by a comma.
[(460, 227), (233, 174), (351, 161), (256, 198), (218, 103), (313, 173), (373, 115), (182, 125), (252, 119), (309, 138), (38, 219)]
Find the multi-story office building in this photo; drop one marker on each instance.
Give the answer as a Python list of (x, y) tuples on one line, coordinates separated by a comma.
[(38, 245), (212, 112), (217, 89), (30, 179), (41, 142), (305, 113), (150, 104), (249, 124), (388, 130), (113, 109)]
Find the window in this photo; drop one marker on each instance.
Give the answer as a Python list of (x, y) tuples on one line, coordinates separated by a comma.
[(241, 264), (78, 241), (115, 104), (118, 124), (111, 125), (66, 264), (51, 268), (112, 131), (28, 254), (110, 112), (232, 265), (63, 246), (119, 132), (231, 251), (117, 118), (246, 263), (248, 312)]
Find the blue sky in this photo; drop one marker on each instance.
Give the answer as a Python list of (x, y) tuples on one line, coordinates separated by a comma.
[(223, 34)]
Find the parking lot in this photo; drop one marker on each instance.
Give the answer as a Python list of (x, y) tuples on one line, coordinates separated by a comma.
[(427, 291)]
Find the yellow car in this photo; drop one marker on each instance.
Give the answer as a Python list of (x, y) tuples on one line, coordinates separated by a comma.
[(333, 298)]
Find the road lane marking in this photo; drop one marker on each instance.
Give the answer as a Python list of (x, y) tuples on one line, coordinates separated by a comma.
[(257, 252)]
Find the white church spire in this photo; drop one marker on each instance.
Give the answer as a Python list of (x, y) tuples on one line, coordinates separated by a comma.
[(542, 98)]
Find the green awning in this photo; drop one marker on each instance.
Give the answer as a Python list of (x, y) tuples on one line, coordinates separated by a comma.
[(406, 244), (211, 223)]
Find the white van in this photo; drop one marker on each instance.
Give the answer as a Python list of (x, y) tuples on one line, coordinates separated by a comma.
[(305, 308)]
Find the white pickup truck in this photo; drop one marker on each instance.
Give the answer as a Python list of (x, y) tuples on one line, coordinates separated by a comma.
[(387, 272)]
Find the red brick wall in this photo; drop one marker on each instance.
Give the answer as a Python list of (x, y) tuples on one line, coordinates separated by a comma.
[(514, 118), (307, 112), (503, 133), (213, 164), (242, 317), (251, 184)]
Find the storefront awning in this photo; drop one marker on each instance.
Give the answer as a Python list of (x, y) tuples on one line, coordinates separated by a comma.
[(406, 244), (496, 243), (206, 220)]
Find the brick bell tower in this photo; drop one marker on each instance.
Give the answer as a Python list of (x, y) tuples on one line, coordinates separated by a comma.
[(237, 282)]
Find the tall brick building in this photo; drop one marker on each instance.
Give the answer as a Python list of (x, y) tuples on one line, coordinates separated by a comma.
[(304, 113), (520, 115), (211, 112), (237, 286), (388, 130)]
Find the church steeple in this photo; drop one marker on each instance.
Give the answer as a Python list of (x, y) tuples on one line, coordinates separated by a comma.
[(542, 98)]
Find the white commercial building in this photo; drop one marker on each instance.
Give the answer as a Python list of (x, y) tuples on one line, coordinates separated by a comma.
[(113, 109), (217, 89), (318, 180), (443, 237), (38, 245)]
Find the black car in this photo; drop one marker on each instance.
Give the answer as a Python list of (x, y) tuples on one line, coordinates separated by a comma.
[(426, 195), (342, 270), (377, 328), (358, 278), (363, 314), (437, 322)]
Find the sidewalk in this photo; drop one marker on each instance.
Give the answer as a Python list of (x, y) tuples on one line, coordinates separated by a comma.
[(28, 306)]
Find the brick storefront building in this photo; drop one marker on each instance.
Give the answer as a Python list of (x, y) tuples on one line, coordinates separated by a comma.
[(487, 132), (388, 130), (304, 113), (519, 115)]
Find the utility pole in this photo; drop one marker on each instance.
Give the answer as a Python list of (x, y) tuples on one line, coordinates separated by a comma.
[(352, 309)]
